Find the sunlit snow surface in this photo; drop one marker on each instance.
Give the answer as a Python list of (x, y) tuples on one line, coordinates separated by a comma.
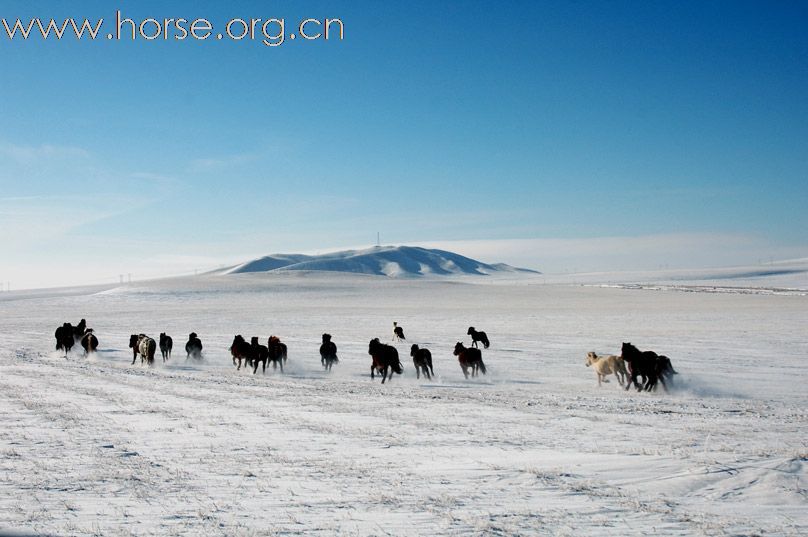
[(99, 446)]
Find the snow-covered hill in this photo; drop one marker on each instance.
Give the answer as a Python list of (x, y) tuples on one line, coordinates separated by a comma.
[(394, 261)]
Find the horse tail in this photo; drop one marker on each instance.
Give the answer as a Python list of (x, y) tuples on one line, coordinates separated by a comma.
[(397, 367), (486, 343), (482, 367)]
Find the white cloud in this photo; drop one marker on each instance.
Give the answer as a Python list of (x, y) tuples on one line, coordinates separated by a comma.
[(29, 154), (26, 219)]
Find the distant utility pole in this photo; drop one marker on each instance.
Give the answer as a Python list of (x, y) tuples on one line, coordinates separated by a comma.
[(129, 277), (378, 239)]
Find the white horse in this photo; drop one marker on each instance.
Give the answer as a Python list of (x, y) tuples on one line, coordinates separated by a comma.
[(143, 346), (607, 365)]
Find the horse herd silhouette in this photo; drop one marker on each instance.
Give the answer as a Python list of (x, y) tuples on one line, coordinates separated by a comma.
[(627, 368)]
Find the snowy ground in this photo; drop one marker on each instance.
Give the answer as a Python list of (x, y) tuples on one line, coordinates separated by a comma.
[(97, 446)]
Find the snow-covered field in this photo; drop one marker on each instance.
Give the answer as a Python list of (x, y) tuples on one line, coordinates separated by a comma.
[(98, 446)]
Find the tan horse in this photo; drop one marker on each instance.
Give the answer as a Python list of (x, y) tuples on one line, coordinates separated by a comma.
[(607, 365)]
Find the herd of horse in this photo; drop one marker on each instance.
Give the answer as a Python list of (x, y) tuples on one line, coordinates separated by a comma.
[(68, 335), (146, 347), (628, 368), (633, 363), (254, 354)]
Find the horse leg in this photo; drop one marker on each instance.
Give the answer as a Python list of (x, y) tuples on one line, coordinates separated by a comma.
[(385, 374), (280, 363), (371, 372)]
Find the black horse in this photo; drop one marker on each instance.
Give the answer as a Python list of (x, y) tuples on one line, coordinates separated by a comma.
[(384, 357), (79, 330), (647, 364), (193, 349), (665, 368), (260, 355), (422, 359), (89, 342), (241, 350), (328, 352), (64, 338), (277, 352), (478, 336), (166, 344), (398, 332), (469, 358)]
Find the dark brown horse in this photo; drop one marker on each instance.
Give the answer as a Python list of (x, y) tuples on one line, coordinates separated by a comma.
[(647, 364), (422, 360), (166, 344), (478, 336), (241, 350), (384, 357), (328, 352), (64, 338), (277, 352), (260, 354), (193, 349), (469, 358), (89, 342)]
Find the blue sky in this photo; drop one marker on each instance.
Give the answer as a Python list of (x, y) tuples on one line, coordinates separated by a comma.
[(681, 124)]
